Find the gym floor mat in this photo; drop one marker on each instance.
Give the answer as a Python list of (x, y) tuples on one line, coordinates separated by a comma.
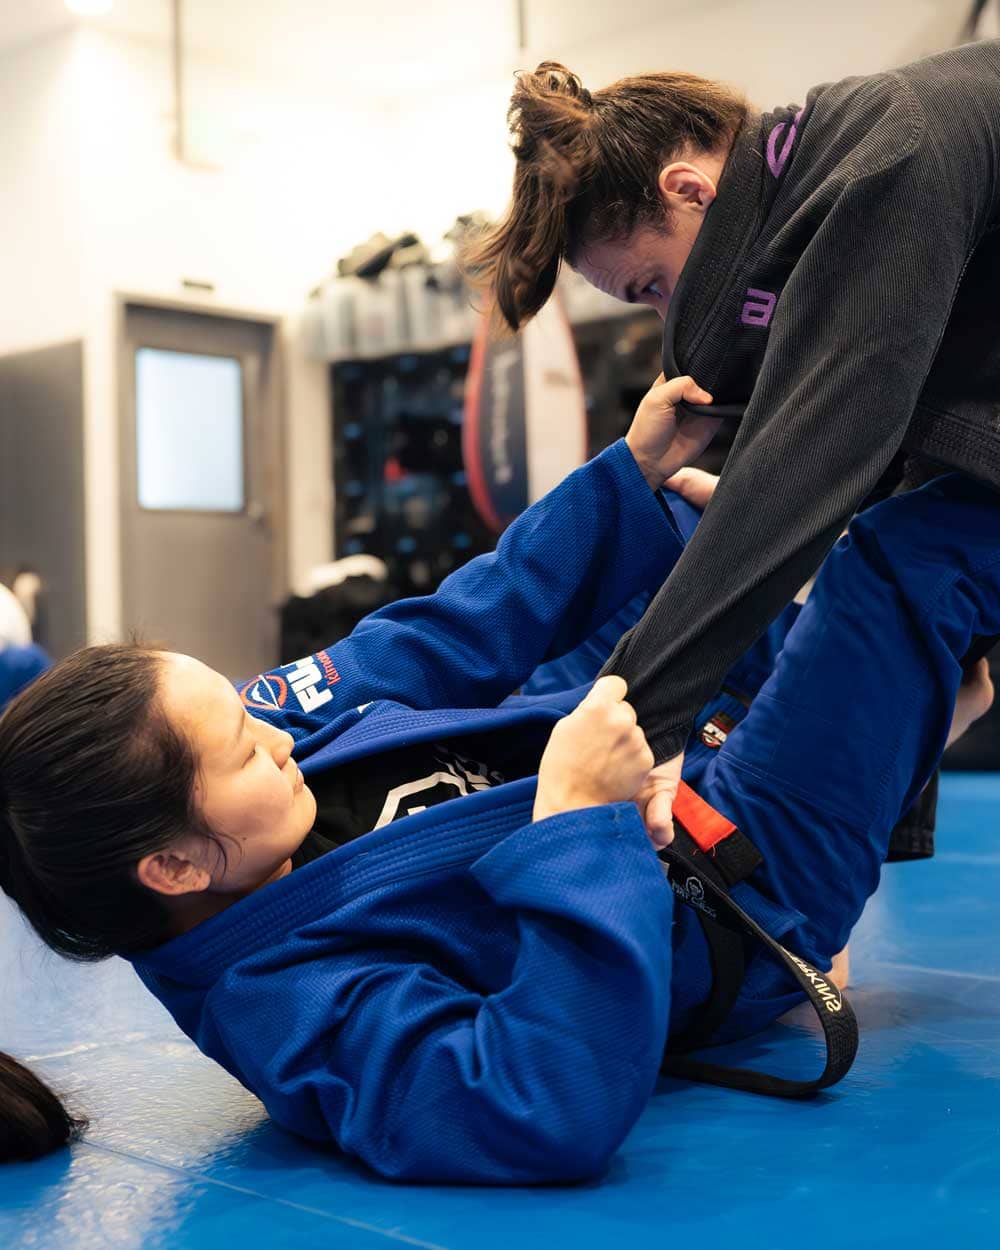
[(905, 1152)]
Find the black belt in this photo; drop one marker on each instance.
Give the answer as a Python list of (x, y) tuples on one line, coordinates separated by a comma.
[(700, 877)]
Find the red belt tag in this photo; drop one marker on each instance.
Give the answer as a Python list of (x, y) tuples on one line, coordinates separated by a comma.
[(707, 826)]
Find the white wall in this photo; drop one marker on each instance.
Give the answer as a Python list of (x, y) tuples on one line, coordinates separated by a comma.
[(773, 51), (449, 154), (292, 184), (40, 228), (93, 200), (284, 191)]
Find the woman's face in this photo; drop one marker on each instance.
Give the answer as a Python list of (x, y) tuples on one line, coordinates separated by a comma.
[(248, 786), (645, 267), (641, 269)]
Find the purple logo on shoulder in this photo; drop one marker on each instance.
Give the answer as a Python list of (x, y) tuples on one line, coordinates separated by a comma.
[(759, 308), (776, 161)]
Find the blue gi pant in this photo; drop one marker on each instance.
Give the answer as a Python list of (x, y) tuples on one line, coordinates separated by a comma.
[(853, 719)]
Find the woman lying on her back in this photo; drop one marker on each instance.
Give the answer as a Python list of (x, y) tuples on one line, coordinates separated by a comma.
[(482, 989)]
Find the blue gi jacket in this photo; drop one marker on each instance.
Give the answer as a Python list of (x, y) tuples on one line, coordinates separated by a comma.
[(19, 666), (463, 995)]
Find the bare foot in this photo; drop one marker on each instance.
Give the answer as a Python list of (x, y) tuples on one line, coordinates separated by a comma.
[(840, 973), (975, 698)]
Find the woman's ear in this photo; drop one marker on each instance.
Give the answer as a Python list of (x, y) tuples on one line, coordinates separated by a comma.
[(174, 872), (681, 182)]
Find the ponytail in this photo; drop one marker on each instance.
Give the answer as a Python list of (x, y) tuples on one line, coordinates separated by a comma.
[(552, 121), (33, 1121), (586, 169)]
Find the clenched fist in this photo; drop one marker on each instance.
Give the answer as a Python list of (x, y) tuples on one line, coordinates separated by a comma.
[(663, 442), (597, 754)]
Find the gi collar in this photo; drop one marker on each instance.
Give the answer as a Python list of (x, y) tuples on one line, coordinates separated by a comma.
[(750, 182)]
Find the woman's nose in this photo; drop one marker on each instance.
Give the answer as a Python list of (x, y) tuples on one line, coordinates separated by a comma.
[(282, 749)]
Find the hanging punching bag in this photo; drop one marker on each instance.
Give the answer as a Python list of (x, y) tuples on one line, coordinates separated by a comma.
[(525, 424)]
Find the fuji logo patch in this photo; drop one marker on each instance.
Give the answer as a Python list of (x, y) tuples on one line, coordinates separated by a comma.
[(307, 675), (269, 692)]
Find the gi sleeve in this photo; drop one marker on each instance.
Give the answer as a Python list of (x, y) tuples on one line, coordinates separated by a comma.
[(406, 1067), (852, 340), (580, 667), (559, 572)]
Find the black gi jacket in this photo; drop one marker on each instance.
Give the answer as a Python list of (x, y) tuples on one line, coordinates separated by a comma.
[(843, 294)]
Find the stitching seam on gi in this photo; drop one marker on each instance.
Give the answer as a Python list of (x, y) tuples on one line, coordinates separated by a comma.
[(842, 819)]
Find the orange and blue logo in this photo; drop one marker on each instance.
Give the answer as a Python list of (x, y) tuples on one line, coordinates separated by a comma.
[(269, 692)]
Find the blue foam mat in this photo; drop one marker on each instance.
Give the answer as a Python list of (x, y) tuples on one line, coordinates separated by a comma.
[(905, 1152)]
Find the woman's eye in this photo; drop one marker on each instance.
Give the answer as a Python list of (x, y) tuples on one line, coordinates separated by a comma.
[(651, 289)]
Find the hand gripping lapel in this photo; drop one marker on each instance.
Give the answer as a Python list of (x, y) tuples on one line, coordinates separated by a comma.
[(707, 856)]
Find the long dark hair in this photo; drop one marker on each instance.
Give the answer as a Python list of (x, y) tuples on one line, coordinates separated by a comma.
[(586, 169), (93, 777)]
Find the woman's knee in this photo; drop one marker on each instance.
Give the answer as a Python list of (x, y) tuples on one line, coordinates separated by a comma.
[(951, 521)]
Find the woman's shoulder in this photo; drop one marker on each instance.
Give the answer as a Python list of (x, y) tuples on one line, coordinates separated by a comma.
[(943, 106), (864, 125)]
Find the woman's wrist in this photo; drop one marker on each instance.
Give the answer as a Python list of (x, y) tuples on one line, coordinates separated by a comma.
[(569, 802), (654, 479)]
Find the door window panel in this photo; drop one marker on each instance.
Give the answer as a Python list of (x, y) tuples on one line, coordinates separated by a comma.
[(189, 431)]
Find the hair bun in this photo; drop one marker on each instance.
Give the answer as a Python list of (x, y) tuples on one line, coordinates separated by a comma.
[(551, 119), (556, 78)]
